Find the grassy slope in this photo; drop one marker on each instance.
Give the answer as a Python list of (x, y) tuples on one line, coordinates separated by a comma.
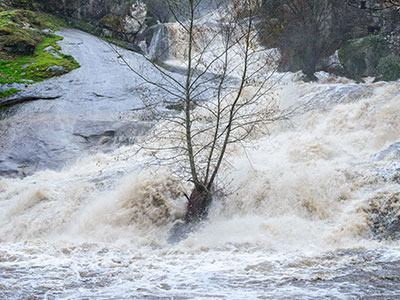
[(28, 26)]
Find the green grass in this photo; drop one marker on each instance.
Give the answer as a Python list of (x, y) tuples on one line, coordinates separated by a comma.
[(35, 67), (5, 17), (37, 19), (52, 22), (8, 92)]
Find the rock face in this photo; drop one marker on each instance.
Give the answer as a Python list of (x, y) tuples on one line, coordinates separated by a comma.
[(78, 9), (112, 18), (97, 109), (134, 21)]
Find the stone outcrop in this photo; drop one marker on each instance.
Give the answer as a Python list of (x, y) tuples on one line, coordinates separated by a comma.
[(111, 18), (134, 20)]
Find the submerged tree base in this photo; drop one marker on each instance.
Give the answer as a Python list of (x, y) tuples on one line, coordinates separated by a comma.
[(198, 205), (180, 231)]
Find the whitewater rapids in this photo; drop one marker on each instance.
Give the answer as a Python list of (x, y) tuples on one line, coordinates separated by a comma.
[(304, 218)]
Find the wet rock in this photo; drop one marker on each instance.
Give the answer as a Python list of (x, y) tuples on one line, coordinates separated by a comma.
[(9, 86), (21, 99), (58, 70), (25, 159), (180, 231), (95, 113), (8, 170), (52, 51), (333, 65), (391, 153), (159, 45), (135, 19), (388, 163), (94, 134), (384, 216)]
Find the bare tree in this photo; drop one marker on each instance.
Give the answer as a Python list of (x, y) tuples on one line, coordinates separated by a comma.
[(308, 31), (306, 36), (224, 95)]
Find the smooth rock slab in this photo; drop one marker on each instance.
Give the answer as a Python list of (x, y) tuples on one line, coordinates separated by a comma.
[(95, 112)]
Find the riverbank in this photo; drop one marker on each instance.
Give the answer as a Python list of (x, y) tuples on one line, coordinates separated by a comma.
[(29, 50)]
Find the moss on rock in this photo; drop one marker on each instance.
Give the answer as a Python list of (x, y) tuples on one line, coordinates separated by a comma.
[(20, 42), (388, 68), (23, 44), (8, 92), (360, 57)]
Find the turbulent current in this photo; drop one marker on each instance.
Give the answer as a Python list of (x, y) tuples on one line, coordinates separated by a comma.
[(312, 213)]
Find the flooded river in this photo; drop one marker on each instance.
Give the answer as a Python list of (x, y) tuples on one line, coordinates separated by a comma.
[(312, 211)]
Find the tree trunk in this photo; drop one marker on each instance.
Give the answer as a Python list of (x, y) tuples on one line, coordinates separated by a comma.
[(197, 208), (198, 204), (310, 76)]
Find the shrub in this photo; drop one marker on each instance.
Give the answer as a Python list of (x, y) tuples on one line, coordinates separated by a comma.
[(389, 68), (360, 57)]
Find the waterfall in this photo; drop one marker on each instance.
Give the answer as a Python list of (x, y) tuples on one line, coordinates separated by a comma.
[(310, 211), (159, 45), (320, 179)]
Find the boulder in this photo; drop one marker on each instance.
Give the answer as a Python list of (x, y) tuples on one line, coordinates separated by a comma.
[(57, 70), (52, 51), (332, 64), (135, 18), (391, 153)]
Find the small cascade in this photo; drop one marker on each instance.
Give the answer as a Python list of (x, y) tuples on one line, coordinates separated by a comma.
[(159, 46)]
